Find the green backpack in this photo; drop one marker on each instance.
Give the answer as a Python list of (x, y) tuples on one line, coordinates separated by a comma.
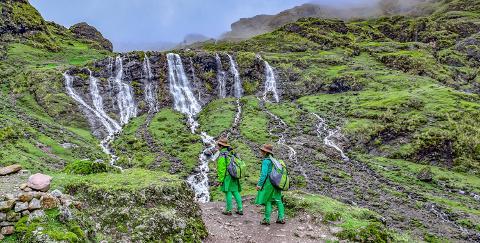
[(279, 175), (236, 168)]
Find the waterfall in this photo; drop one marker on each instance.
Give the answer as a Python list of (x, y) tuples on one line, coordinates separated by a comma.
[(221, 78), (292, 153), (194, 78), (183, 98), (150, 87), (237, 82), (110, 125), (185, 102), (126, 103), (270, 83), (199, 181), (330, 133)]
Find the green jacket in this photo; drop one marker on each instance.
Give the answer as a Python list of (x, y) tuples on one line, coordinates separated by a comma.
[(268, 192), (229, 184)]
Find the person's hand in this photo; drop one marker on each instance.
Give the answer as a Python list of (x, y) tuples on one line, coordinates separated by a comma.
[(258, 188)]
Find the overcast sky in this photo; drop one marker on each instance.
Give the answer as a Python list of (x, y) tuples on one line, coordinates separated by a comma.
[(151, 21)]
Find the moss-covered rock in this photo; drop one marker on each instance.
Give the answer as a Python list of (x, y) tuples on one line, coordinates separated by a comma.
[(159, 207)]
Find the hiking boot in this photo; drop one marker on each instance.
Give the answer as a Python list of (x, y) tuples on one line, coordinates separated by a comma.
[(239, 212), (265, 222), (280, 221), (227, 213)]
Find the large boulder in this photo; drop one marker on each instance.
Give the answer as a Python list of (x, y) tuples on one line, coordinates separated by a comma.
[(85, 31), (10, 169), (39, 182)]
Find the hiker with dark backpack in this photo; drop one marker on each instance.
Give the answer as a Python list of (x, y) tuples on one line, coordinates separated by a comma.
[(273, 179), (229, 171)]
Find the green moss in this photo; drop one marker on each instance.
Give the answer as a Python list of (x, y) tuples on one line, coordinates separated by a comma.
[(85, 167), (175, 138), (254, 122), (217, 117), (51, 226), (127, 180), (356, 223)]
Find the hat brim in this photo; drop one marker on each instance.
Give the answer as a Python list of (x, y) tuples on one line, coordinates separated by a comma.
[(224, 144), (266, 150)]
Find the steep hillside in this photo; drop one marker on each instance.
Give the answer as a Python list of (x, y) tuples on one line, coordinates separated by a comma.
[(377, 120)]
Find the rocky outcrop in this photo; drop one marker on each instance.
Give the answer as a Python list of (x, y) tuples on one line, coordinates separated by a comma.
[(19, 17), (88, 32), (160, 208), (200, 68)]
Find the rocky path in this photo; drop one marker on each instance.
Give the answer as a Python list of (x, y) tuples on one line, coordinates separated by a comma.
[(10, 184), (247, 228)]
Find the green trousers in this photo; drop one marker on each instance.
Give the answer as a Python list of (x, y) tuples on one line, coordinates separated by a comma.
[(238, 199), (268, 210)]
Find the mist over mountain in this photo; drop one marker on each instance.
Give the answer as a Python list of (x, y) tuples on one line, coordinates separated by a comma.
[(248, 27)]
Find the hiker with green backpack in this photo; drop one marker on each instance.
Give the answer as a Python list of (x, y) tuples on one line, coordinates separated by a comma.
[(273, 179), (229, 171)]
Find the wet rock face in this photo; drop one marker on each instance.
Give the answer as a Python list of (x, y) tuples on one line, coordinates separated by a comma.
[(83, 30), (199, 67)]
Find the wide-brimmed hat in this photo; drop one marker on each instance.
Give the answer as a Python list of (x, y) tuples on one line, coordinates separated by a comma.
[(267, 148), (223, 141)]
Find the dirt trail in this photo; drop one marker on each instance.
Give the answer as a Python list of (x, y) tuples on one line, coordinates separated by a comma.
[(247, 228)]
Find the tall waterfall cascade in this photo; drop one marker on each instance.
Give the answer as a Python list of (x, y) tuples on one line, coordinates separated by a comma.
[(270, 83), (184, 100), (111, 126), (322, 129), (237, 82), (125, 100), (186, 103), (150, 87), (221, 78)]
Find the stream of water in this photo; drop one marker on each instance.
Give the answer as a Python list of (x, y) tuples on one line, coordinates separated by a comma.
[(111, 126), (328, 134), (186, 103), (125, 101), (150, 87), (237, 82), (270, 83), (221, 78)]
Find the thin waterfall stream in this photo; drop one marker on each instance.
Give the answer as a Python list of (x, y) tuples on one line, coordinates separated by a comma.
[(221, 78), (186, 103), (237, 82), (292, 153), (150, 87), (110, 125), (328, 134)]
